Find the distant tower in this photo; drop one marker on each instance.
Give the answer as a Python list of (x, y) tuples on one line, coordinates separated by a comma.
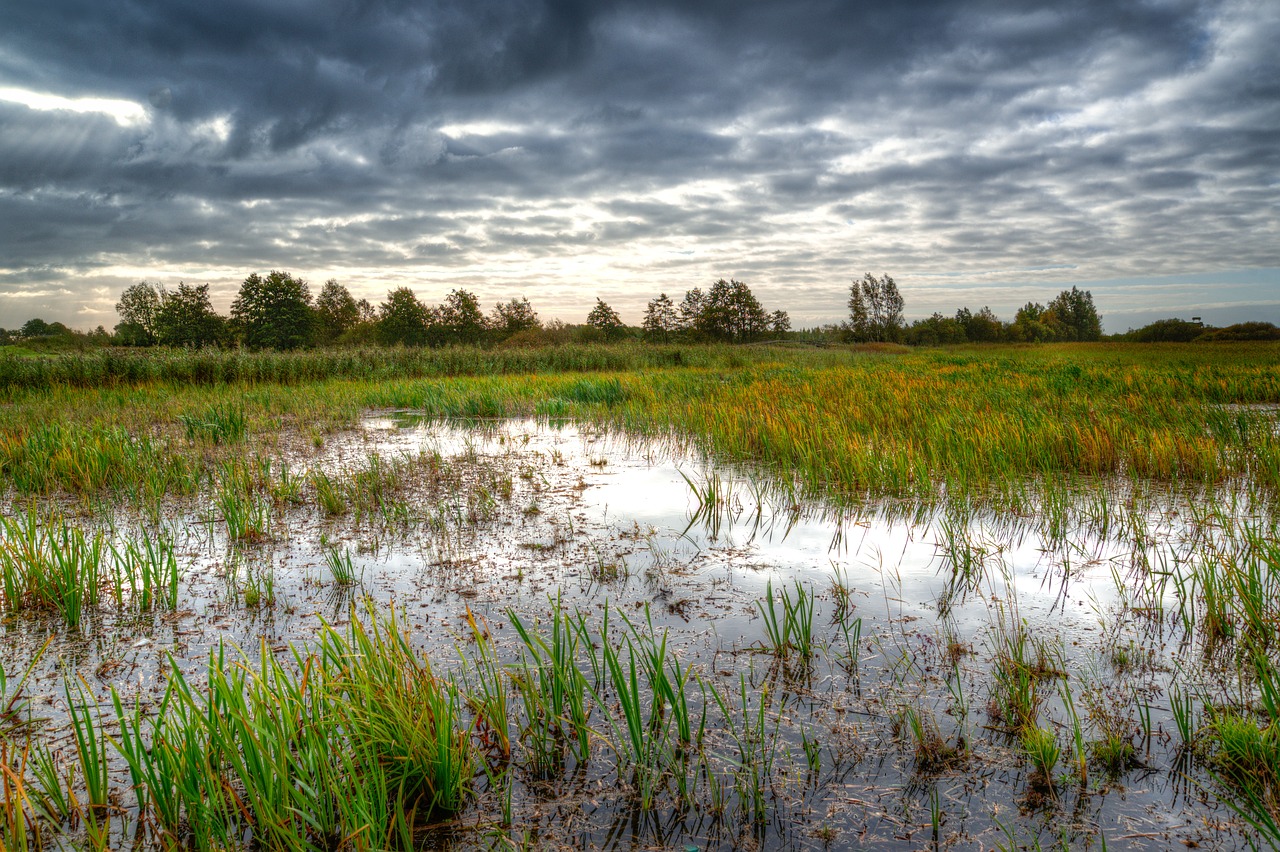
[(1196, 320)]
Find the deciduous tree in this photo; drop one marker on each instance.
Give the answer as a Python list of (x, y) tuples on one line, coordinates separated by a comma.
[(1077, 315), (186, 318), (875, 310), (274, 312), (513, 317), (459, 318), (402, 319), (137, 308), (336, 311)]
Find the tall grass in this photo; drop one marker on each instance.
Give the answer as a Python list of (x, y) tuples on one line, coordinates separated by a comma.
[(48, 564), (838, 422)]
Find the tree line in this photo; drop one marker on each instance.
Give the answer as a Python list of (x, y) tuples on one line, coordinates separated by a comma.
[(277, 311), (875, 315)]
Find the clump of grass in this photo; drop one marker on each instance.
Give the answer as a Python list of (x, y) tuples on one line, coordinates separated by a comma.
[(330, 494), (932, 751), (48, 564), (1246, 753), (1041, 746), (553, 691), (1114, 752), (221, 424), (149, 569), (396, 706), (1023, 663), (14, 705), (246, 516), (341, 568), (790, 631)]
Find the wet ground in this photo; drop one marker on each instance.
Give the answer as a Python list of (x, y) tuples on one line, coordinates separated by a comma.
[(914, 605)]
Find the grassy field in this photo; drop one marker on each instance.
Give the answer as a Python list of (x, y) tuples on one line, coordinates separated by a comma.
[(1146, 475), (846, 423)]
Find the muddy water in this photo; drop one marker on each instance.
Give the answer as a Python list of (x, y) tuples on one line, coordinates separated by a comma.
[(658, 531)]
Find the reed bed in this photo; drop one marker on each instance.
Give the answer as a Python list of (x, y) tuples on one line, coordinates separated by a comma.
[(837, 422)]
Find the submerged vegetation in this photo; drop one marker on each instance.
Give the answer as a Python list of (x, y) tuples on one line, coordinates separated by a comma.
[(1042, 609)]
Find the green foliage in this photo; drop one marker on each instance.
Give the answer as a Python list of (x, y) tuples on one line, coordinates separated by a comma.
[(606, 320), (139, 308), (402, 319), (1033, 324), (186, 318), (514, 317), (731, 312), (459, 319), (660, 319), (936, 330), (337, 312), (274, 312), (875, 310), (1243, 331), (1170, 330), (1076, 316), (691, 309)]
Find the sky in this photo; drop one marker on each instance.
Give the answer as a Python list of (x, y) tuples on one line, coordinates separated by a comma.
[(981, 153)]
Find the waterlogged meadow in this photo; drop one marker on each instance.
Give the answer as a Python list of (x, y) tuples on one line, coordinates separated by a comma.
[(672, 598)]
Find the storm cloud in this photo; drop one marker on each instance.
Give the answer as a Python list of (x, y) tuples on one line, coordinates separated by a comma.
[(982, 153)]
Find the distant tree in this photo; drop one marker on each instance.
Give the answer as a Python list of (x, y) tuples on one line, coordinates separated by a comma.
[(403, 319), (1256, 330), (779, 323), (459, 318), (513, 317), (660, 319), (1078, 318), (1167, 331), (691, 310), (875, 310), (1033, 324), (36, 327), (606, 320), (186, 318), (337, 312), (934, 331), (731, 311), (274, 312), (138, 307), (982, 327)]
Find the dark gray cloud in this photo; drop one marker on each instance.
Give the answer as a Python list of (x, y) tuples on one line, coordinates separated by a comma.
[(983, 152)]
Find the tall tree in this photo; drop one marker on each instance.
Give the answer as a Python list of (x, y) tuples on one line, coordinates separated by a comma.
[(875, 310), (513, 317), (1033, 323), (186, 318), (336, 311), (403, 319), (274, 312), (460, 319), (660, 320), (138, 307), (779, 323), (691, 310), (982, 327), (605, 319), (1079, 318)]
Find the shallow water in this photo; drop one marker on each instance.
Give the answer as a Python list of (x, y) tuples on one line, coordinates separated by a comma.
[(534, 510)]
